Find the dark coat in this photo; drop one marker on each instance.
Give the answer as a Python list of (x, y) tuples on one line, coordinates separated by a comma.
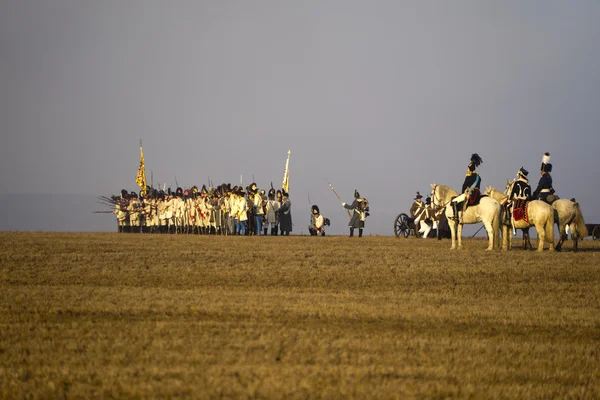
[(544, 183), (355, 221), (285, 216), (471, 180), (520, 189)]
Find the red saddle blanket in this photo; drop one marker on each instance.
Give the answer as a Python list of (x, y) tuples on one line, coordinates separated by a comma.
[(520, 213)]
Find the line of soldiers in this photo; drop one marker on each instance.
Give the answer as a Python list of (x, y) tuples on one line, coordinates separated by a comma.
[(223, 210)]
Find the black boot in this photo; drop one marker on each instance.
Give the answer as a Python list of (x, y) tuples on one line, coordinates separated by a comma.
[(360, 231), (455, 211), (276, 229), (265, 231), (351, 232)]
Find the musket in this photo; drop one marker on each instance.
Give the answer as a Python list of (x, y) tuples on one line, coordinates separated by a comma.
[(152, 179), (102, 212), (338, 196), (176, 181)]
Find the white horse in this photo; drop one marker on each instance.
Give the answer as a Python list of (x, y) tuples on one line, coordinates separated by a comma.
[(540, 215), (487, 211), (568, 215)]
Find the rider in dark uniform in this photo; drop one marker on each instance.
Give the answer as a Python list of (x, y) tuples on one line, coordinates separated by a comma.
[(472, 181), (519, 193), (544, 190), (521, 189)]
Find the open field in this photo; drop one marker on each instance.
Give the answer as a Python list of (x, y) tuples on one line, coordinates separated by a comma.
[(109, 315)]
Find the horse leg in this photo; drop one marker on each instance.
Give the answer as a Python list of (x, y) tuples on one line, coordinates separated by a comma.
[(459, 236), (541, 237), (563, 236), (506, 245), (452, 226), (575, 237), (491, 235)]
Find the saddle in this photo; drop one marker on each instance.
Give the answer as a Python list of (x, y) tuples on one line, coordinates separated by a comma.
[(474, 197), (520, 210)]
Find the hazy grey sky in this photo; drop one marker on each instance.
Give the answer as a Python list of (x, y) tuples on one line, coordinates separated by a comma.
[(383, 96)]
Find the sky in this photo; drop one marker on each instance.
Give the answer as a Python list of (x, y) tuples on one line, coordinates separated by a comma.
[(385, 97)]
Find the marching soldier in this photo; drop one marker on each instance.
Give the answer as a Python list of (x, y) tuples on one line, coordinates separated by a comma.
[(471, 184), (285, 214), (259, 212), (134, 213), (544, 190), (272, 208), (361, 212), (121, 212)]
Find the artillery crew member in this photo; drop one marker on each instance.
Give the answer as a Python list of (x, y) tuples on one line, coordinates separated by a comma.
[(544, 190), (361, 212), (471, 184), (417, 208)]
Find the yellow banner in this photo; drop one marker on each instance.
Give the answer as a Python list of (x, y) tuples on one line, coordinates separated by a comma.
[(140, 179)]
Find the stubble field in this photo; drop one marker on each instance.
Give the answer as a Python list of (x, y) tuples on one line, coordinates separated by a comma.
[(139, 316)]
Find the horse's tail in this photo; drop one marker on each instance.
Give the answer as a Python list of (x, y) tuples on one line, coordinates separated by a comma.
[(579, 223), (549, 227)]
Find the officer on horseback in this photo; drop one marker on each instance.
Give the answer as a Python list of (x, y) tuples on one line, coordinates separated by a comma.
[(520, 192), (544, 190), (471, 185)]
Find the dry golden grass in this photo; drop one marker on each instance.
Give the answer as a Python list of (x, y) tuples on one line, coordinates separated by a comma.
[(138, 316)]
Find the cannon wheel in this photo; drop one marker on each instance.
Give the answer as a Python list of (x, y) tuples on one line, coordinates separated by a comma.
[(401, 227), (596, 232)]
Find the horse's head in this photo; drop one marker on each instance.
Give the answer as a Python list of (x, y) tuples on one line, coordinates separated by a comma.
[(508, 187), (441, 195), (494, 193)]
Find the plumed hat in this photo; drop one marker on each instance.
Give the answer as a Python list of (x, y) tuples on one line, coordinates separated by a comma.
[(476, 161), (179, 192), (418, 196), (123, 193), (315, 209), (133, 195), (356, 194), (428, 200), (546, 166), (284, 193), (204, 190), (279, 193)]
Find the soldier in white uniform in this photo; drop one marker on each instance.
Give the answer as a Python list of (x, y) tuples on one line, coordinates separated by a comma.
[(259, 211), (121, 212), (317, 222), (135, 208), (272, 207)]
